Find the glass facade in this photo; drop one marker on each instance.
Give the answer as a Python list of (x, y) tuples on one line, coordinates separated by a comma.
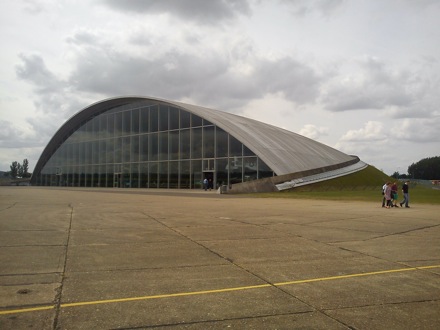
[(150, 145)]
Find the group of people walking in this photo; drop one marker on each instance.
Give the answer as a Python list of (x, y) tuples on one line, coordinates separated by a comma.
[(390, 195)]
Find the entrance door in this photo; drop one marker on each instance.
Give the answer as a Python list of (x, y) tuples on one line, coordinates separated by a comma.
[(211, 178), (117, 176), (209, 172), (116, 180)]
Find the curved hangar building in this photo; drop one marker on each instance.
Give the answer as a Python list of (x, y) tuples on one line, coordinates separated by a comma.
[(138, 142)]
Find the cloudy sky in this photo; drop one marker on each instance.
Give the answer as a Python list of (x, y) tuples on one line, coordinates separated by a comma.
[(362, 76)]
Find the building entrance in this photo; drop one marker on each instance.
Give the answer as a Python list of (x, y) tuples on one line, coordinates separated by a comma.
[(209, 172), (211, 178)]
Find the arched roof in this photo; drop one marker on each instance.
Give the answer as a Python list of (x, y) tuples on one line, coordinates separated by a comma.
[(283, 151)]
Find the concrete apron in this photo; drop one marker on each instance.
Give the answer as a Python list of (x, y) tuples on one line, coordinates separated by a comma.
[(110, 258)]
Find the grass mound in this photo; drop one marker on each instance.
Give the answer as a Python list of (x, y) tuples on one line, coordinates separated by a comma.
[(365, 185), (368, 179)]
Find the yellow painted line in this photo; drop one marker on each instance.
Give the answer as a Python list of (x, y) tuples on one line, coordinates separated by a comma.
[(181, 294), (27, 310), (332, 278), (241, 288)]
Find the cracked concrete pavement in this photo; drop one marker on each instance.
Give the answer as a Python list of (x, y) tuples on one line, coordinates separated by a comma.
[(134, 259)]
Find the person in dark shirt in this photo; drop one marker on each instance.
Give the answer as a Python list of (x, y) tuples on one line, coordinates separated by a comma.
[(405, 188)]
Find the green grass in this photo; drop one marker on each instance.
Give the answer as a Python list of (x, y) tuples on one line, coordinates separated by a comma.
[(364, 185)]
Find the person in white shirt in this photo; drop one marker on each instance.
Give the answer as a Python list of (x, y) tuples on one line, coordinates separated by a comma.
[(383, 194)]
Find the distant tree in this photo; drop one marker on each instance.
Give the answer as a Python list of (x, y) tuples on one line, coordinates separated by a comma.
[(14, 169), (20, 171), (25, 169), (425, 169), (395, 175)]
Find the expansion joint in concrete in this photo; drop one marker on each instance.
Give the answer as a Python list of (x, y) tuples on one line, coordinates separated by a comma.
[(59, 294)]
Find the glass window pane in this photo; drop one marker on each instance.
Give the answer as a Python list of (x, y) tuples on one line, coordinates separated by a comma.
[(95, 130), (134, 154), (174, 145), (102, 182), (126, 180), (103, 131), (250, 168), (89, 130), (95, 152), (89, 153), (235, 147), (208, 142), (126, 149), (144, 147), (126, 122), (163, 146), (154, 117), (222, 171), (173, 175), (117, 177), (143, 175), (247, 151), (110, 151), (209, 164), (152, 175), (118, 150), (135, 121), (110, 175), (221, 143), (235, 170), (77, 175), (174, 118), (163, 175), (196, 121), (134, 169), (111, 125), (196, 143), (153, 147), (145, 113), (88, 175), (76, 156), (197, 174), (185, 145), (118, 124), (95, 176), (69, 155), (102, 151), (185, 177), (185, 119), (163, 117), (81, 133), (264, 171)]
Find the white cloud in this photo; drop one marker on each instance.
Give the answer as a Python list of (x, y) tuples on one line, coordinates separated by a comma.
[(374, 85), (418, 130), (314, 132), (372, 131)]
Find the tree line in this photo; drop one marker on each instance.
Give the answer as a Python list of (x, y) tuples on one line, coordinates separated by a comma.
[(425, 169)]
